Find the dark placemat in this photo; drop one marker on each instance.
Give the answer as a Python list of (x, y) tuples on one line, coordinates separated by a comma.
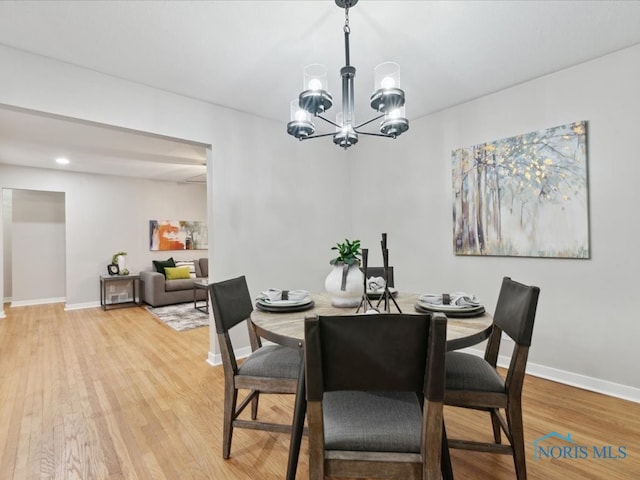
[(477, 312), (376, 295), (284, 309)]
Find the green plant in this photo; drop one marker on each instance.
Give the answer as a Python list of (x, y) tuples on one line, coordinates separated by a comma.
[(348, 252), (114, 259)]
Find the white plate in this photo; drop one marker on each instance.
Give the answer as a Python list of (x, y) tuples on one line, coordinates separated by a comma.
[(379, 292), (285, 303), (450, 308)]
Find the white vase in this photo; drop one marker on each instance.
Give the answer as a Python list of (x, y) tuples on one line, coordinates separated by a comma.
[(351, 295), (122, 263)]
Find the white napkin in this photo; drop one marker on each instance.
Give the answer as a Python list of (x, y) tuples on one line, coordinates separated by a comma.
[(275, 295), (459, 299), (375, 283)]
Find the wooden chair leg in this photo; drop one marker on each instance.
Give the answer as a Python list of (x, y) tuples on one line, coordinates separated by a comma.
[(447, 470), (514, 420), (230, 401), (495, 423), (254, 406), (316, 445)]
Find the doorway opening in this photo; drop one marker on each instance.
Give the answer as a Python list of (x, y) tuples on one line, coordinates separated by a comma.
[(34, 248)]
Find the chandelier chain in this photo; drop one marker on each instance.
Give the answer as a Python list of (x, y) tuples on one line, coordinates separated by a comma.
[(346, 28), (347, 31)]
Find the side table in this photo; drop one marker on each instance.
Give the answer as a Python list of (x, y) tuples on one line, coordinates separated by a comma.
[(201, 284), (115, 301)]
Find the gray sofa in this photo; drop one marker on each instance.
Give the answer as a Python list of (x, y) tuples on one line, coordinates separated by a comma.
[(157, 291)]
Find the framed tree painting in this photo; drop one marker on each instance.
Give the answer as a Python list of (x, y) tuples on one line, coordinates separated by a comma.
[(523, 196)]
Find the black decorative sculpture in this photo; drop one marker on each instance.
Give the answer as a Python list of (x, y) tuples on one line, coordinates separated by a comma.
[(386, 296), (365, 303)]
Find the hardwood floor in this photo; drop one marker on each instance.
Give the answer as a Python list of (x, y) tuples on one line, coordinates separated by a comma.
[(89, 394)]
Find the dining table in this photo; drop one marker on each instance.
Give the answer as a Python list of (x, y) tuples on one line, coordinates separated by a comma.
[(286, 327)]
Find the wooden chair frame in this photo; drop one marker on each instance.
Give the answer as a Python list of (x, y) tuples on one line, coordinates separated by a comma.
[(235, 381), (511, 399), (425, 465)]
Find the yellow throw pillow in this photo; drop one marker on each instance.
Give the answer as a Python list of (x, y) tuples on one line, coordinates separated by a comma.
[(177, 273)]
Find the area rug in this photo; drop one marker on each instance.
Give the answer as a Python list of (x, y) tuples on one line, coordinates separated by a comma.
[(181, 316)]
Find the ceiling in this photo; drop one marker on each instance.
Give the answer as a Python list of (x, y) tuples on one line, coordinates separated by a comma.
[(35, 140), (249, 55)]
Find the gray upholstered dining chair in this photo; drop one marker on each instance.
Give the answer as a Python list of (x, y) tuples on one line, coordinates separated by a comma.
[(375, 386), (268, 369), (473, 381)]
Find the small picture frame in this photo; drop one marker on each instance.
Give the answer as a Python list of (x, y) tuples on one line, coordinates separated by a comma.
[(113, 269)]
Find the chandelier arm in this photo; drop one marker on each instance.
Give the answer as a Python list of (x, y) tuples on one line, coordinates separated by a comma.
[(368, 122), (371, 134), (329, 121), (311, 137)]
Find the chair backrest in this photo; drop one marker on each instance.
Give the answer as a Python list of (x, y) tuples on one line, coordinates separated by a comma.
[(515, 314), (381, 352), (203, 264), (379, 272), (231, 302), (516, 310)]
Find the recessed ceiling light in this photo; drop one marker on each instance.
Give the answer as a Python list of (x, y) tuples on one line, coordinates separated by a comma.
[(62, 161)]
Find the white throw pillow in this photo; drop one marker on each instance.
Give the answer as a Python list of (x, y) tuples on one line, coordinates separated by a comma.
[(190, 264)]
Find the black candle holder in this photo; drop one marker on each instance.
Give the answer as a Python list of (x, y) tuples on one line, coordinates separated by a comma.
[(386, 296), (365, 303)]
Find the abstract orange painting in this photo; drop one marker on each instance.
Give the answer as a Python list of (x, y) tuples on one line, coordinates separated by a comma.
[(177, 235)]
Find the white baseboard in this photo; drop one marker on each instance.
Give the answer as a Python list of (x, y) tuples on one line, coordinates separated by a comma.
[(67, 307), (40, 301), (592, 384), (215, 359), (80, 306), (578, 380)]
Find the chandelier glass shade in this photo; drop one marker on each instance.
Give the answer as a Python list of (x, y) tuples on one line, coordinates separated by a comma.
[(314, 100)]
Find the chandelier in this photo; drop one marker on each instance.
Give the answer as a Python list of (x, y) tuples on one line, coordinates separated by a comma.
[(387, 99)]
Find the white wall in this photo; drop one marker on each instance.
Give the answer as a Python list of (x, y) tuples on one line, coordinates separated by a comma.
[(278, 207), (104, 215), (587, 323), (38, 247)]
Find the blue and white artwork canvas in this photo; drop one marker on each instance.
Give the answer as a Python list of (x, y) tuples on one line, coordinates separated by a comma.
[(523, 196)]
